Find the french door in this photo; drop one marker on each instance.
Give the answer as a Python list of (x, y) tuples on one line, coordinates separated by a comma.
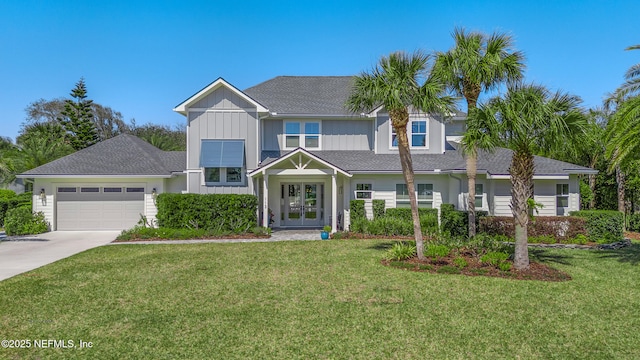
[(302, 204)]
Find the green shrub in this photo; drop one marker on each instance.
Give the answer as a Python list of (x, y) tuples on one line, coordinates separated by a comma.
[(558, 227), (7, 194), (22, 221), (579, 239), (455, 222), (393, 226), (145, 233), (634, 222), (401, 251), (436, 251), (603, 226), (504, 266), (12, 202), (405, 213), (460, 262), (216, 212), (378, 208), (494, 258), (357, 209), (261, 231)]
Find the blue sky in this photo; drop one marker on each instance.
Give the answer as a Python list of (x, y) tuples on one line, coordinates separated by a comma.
[(144, 57)]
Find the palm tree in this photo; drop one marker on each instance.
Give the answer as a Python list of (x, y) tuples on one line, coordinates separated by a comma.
[(37, 145), (529, 117), (399, 83), (477, 63)]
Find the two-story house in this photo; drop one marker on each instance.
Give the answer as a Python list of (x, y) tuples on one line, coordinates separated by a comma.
[(289, 141)]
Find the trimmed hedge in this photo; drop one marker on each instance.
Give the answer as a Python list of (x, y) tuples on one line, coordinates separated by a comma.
[(456, 222), (634, 222), (378, 208), (9, 202), (394, 226), (405, 213), (22, 221), (559, 227), (357, 209), (217, 212), (603, 226)]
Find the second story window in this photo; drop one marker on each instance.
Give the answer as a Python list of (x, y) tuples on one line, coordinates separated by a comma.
[(305, 134), (416, 132)]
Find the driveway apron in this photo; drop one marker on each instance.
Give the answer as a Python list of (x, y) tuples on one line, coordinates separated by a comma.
[(22, 254)]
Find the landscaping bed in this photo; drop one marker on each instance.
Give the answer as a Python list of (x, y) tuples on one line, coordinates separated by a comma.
[(474, 267)]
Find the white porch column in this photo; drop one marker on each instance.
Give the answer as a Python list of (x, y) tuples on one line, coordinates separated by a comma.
[(346, 195), (334, 201), (265, 200)]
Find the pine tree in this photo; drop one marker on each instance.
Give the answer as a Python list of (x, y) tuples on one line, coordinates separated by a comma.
[(77, 118)]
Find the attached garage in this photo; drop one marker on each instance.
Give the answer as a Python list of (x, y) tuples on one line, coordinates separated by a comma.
[(99, 207)]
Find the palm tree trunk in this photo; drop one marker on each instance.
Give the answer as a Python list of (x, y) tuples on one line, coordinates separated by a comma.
[(399, 119), (472, 164), (521, 171), (620, 179)]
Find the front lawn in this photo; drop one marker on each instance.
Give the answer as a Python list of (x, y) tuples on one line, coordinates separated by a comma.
[(324, 299)]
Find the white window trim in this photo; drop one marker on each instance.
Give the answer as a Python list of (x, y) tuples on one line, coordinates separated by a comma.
[(223, 178), (356, 191), (481, 196), (302, 135), (567, 195), (433, 192), (409, 133)]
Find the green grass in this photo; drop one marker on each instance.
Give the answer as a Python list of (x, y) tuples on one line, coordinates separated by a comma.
[(317, 300)]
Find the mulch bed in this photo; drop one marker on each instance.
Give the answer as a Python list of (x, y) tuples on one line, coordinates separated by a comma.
[(536, 271), (632, 235)]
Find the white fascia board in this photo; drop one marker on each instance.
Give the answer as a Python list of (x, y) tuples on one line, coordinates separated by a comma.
[(535, 177), (421, 172), (292, 153), (182, 107), (315, 116), (93, 176)]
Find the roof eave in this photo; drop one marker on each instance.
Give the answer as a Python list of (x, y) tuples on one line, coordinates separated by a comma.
[(182, 107)]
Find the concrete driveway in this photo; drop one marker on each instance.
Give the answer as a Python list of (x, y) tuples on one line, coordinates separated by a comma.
[(23, 254)]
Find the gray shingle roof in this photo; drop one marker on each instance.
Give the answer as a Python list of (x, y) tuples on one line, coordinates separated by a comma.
[(313, 95), (324, 95), (496, 163), (122, 155)]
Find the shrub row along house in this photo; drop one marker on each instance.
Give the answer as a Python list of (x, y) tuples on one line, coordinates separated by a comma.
[(289, 141)]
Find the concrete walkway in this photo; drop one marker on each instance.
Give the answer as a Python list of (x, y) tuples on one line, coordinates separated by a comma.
[(22, 254)]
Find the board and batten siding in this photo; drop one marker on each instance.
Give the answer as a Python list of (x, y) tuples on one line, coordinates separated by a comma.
[(222, 98), (343, 134), (435, 131), (221, 115)]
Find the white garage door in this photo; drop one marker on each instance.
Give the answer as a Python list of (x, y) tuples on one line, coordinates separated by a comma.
[(98, 207)]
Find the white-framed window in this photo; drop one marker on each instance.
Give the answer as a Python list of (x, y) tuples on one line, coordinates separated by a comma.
[(304, 134), (424, 196), (562, 199), (479, 195), (364, 191), (222, 176), (416, 132)]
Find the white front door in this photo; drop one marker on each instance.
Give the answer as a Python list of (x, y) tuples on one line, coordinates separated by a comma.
[(302, 204)]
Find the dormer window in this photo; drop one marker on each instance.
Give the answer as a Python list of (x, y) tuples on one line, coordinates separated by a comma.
[(416, 132), (305, 134)]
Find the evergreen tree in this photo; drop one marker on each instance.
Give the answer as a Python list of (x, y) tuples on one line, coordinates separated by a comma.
[(77, 118)]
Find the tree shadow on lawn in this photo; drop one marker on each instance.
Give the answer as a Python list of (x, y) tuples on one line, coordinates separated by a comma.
[(629, 254), (546, 257), (382, 246)]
